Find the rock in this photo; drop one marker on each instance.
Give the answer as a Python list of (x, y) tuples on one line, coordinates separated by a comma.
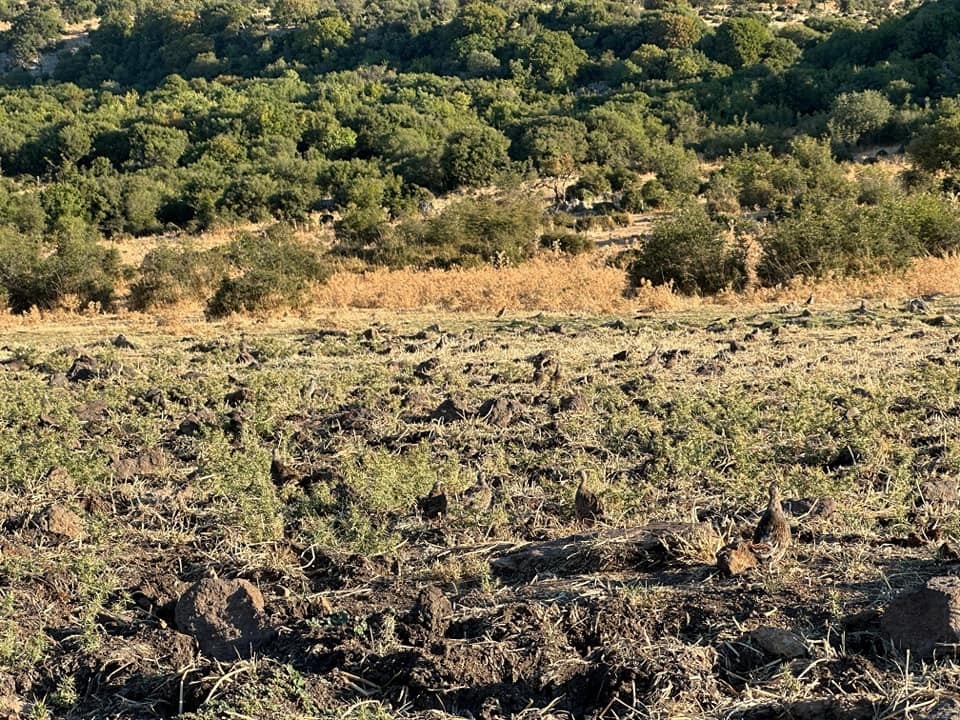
[(920, 619), (736, 559), (58, 379), (225, 617), (58, 521), (148, 464), (498, 411), (779, 643), (84, 368), (939, 493), (813, 508), (448, 411)]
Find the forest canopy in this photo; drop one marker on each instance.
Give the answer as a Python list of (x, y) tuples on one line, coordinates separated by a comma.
[(181, 116)]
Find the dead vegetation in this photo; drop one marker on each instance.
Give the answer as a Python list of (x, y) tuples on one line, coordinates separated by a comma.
[(243, 520)]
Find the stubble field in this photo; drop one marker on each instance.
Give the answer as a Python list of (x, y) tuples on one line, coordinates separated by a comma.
[(292, 456)]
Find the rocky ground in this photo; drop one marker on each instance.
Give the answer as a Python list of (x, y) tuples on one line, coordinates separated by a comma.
[(226, 524)]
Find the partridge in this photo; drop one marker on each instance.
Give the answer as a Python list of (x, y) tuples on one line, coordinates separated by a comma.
[(772, 536), (587, 504), (433, 505)]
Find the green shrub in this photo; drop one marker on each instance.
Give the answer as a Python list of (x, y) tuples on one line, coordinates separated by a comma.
[(595, 222), (169, 275), (632, 200), (566, 242), (467, 233), (655, 194), (837, 237), (934, 221), (37, 274), (562, 219), (688, 251), (271, 269)]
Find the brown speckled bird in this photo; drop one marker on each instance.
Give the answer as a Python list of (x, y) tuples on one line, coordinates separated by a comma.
[(772, 536), (433, 505), (586, 503)]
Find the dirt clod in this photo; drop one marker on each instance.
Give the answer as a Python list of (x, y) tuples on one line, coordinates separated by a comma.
[(940, 493), (83, 368), (59, 522), (432, 612), (499, 412), (810, 507), (920, 619), (778, 642), (736, 559), (148, 464), (225, 617), (448, 411)]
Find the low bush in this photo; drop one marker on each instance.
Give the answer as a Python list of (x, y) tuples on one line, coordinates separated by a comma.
[(169, 275), (34, 273), (566, 242), (268, 270), (840, 238), (467, 233), (689, 251)]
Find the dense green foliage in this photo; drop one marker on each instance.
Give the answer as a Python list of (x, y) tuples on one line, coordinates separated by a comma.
[(186, 115)]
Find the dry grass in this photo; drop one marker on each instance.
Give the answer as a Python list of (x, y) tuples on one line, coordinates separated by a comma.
[(586, 284), (549, 283), (556, 284)]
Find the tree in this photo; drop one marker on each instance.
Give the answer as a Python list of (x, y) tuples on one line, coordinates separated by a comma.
[(855, 114), (293, 12), (156, 145), (676, 29), (937, 145), (555, 145), (555, 58), (473, 156), (481, 18), (31, 31), (740, 42)]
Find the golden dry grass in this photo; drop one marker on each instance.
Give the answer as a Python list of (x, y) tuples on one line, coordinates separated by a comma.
[(586, 284), (549, 283)]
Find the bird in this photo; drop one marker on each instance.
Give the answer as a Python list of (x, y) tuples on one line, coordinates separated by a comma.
[(586, 503), (772, 535), (433, 505), (478, 497), (501, 311)]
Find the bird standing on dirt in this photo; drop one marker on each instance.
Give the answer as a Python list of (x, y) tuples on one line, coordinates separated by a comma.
[(478, 497), (433, 505), (586, 503), (772, 536)]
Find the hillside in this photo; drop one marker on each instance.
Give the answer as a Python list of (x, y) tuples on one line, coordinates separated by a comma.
[(457, 135)]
